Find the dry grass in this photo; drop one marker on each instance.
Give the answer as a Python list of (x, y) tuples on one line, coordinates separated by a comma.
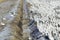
[(2, 1)]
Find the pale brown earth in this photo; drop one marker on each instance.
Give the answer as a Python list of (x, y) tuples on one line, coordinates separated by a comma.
[(14, 27)]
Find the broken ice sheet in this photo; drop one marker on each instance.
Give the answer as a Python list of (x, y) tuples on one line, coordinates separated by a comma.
[(49, 11)]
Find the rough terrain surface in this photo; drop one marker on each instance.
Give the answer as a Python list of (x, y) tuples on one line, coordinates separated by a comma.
[(47, 15), (29, 20), (10, 19)]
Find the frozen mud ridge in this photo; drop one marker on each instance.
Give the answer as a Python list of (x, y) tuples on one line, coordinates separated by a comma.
[(47, 15), (8, 13)]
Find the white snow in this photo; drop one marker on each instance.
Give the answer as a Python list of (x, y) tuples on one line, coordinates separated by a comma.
[(46, 11)]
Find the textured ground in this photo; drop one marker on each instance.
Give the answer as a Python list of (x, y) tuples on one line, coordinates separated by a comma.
[(15, 16), (47, 15), (10, 13)]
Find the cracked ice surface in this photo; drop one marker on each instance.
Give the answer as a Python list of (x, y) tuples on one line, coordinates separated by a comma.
[(47, 15)]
